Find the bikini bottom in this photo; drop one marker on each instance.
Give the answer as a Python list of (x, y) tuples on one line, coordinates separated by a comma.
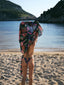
[(26, 61)]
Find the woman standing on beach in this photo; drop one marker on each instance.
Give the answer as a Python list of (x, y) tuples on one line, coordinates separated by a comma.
[(28, 34)]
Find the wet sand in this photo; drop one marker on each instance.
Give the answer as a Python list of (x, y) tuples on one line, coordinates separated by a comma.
[(48, 68)]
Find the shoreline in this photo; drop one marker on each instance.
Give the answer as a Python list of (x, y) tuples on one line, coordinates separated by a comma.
[(36, 52)]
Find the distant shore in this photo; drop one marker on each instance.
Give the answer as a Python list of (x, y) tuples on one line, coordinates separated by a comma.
[(18, 19)]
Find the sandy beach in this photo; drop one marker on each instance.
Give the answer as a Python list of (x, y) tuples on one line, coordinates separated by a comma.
[(48, 69)]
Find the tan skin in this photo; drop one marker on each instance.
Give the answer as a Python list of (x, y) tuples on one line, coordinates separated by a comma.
[(29, 53)]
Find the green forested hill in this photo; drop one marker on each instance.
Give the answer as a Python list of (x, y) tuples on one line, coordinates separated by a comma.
[(11, 11), (53, 15)]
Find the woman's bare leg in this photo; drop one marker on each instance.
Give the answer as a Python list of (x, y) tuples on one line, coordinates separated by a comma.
[(31, 62), (24, 71), (31, 69)]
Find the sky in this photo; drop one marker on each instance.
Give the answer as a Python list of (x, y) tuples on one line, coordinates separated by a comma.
[(36, 7)]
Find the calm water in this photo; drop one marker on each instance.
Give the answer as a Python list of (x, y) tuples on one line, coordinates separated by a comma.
[(53, 36)]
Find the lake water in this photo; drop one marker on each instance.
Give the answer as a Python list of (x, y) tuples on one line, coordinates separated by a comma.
[(52, 38)]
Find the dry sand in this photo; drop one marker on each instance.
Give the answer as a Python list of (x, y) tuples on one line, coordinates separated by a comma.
[(48, 69)]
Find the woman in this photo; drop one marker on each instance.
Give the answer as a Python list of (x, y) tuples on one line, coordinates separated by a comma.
[(28, 34)]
